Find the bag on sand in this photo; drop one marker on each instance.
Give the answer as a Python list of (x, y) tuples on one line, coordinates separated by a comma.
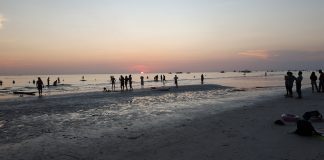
[(305, 128), (313, 115)]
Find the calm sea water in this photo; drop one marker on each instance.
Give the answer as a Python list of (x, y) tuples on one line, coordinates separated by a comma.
[(96, 82)]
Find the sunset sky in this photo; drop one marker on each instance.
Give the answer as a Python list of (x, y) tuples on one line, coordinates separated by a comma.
[(113, 36)]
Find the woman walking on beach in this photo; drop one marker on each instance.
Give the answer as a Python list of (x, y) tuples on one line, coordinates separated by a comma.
[(142, 81), (298, 84), (313, 79), (39, 85)]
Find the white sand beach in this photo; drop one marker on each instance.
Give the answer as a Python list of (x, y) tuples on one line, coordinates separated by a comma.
[(95, 126)]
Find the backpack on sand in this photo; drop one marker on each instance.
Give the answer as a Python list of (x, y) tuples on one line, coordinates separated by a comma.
[(305, 128)]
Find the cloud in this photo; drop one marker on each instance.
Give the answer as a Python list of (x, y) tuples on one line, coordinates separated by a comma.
[(2, 20), (260, 54)]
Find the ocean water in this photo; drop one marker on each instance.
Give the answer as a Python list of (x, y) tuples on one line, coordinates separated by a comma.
[(96, 82)]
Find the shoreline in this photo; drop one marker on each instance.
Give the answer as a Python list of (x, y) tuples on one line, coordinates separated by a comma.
[(245, 132)]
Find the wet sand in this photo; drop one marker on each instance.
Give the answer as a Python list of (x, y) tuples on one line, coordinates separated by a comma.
[(247, 132)]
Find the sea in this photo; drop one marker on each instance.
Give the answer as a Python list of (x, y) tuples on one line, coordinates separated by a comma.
[(81, 83)]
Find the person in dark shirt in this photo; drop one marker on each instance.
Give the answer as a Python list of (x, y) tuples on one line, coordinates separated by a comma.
[(40, 85), (299, 79), (130, 78), (126, 82), (122, 82), (321, 81), (313, 79)]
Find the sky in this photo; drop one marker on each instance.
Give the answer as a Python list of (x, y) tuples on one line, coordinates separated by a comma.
[(131, 36)]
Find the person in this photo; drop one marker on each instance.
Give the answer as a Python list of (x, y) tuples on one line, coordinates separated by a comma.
[(48, 81), (291, 79), (176, 80), (202, 78), (39, 85), (321, 81), (298, 84), (55, 83), (34, 81), (313, 79), (13, 82), (122, 81), (58, 80), (142, 81), (130, 78), (113, 81), (126, 82), (0, 82), (265, 74), (286, 84)]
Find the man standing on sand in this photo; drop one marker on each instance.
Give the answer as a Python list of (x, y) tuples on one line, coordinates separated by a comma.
[(321, 81), (130, 78), (176, 80), (39, 85), (291, 79), (298, 84), (113, 81)]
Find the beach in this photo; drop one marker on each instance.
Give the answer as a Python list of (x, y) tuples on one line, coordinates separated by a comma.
[(150, 124)]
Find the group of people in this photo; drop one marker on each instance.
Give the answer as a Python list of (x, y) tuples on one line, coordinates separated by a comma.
[(289, 83), (124, 82), (314, 79)]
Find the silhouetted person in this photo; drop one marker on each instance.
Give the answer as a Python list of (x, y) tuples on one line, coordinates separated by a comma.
[(313, 79), (126, 82), (321, 81), (1, 82), (299, 79), (13, 82), (142, 81), (130, 78), (39, 85), (34, 81), (122, 81), (176, 80), (48, 81), (291, 79), (58, 80), (55, 83), (287, 83), (161, 77), (147, 77), (113, 81), (202, 78)]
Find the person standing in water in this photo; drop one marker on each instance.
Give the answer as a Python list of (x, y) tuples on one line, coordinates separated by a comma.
[(202, 78), (298, 84), (142, 81), (321, 81), (176, 80), (126, 82), (39, 85), (122, 82), (48, 81), (113, 81), (291, 79), (130, 78), (313, 79)]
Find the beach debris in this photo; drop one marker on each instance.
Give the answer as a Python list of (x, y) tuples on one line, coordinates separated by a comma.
[(305, 128), (289, 117)]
